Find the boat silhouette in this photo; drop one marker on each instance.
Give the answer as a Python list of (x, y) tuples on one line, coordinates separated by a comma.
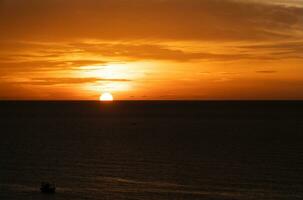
[(48, 188)]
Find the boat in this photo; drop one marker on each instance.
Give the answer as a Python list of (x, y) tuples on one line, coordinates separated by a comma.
[(48, 188)]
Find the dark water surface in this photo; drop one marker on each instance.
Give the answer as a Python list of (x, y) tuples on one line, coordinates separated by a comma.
[(152, 150)]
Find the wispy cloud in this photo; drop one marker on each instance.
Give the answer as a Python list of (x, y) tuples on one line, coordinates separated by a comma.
[(57, 43), (266, 72), (66, 81), (41, 59)]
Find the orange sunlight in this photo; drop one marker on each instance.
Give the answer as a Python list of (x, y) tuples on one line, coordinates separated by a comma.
[(106, 97)]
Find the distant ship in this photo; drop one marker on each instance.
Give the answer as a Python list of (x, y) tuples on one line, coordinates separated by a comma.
[(48, 188)]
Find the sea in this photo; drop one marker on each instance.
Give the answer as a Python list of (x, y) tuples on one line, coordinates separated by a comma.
[(152, 150)]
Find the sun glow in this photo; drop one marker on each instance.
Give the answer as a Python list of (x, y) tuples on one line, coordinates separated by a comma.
[(119, 78), (106, 97)]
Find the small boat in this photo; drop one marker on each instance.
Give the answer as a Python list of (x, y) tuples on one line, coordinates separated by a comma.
[(48, 188)]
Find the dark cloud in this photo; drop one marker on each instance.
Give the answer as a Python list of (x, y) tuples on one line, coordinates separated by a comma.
[(280, 48), (44, 65), (40, 65), (43, 60), (266, 72), (165, 52), (154, 52), (47, 60), (153, 19)]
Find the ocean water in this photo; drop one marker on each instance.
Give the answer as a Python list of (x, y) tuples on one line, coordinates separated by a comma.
[(152, 150)]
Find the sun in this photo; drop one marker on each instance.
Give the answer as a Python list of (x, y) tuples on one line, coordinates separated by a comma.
[(106, 97)]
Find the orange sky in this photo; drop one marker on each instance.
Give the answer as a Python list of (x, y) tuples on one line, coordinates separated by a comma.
[(155, 49)]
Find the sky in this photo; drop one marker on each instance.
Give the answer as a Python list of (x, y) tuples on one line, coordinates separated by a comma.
[(151, 50)]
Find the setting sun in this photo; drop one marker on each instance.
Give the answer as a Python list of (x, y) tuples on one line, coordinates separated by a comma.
[(106, 97), (174, 99), (178, 50)]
